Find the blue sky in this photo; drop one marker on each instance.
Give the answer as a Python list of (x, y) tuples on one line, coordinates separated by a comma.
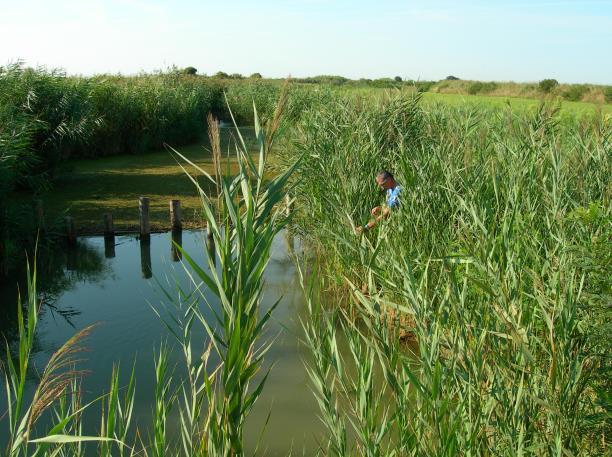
[(517, 40)]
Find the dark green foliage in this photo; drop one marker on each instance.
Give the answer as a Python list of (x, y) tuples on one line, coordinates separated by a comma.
[(479, 87), (190, 70), (398, 79), (333, 80), (451, 78), (385, 83), (547, 85), (255, 76), (423, 86), (221, 74), (608, 94), (575, 92)]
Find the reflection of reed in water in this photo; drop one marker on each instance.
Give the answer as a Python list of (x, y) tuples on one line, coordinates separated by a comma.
[(176, 243), (145, 257), (72, 255)]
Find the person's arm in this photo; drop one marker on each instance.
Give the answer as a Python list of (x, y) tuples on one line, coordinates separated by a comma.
[(383, 213)]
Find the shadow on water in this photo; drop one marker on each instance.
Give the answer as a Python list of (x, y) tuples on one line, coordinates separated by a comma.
[(59, 269)]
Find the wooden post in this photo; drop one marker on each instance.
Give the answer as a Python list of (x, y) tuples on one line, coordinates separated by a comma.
[(175, 243), (145, 226), (210, 245), (175, 215), (145, 258), (70, 231), (109, 228), (40, 215)]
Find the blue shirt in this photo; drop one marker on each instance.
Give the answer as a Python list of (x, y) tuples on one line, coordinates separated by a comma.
[(393, 200)]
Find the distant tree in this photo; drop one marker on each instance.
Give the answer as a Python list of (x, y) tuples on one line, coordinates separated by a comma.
[(398, 79), (452, 78), (236, 76), (190, 70), (547, 85), (221, 74), (256, 76)]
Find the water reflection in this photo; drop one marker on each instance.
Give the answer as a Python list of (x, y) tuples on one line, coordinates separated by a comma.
[(109, 247), (145, 257), (176, 243), (58, 269), (114, 291)]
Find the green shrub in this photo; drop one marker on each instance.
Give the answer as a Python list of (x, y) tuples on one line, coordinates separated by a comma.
[(547, 85), (608, 94), (478, 87), (575, 92), (424, 86)]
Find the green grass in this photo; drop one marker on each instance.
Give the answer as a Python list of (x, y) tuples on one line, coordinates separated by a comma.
[(517, 103), (86, 188)]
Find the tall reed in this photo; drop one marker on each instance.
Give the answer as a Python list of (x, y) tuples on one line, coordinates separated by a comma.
[(479, 267)]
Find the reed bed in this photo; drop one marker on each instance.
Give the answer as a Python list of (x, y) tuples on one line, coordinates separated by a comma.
[(492, 267)]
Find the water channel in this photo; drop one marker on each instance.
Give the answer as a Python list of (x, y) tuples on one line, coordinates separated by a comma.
[(115, 285)]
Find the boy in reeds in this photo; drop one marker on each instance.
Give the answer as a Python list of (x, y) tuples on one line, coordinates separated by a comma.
[(386, 182)]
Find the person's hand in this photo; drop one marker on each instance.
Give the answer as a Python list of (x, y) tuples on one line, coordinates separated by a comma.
[(359, 230), (375, 211)]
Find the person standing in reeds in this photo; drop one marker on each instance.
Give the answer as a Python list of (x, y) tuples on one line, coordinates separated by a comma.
[(386, 182)]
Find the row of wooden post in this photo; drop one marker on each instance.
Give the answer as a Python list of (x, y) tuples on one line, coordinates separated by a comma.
[(145, 231), (109, 229), (145, 225)]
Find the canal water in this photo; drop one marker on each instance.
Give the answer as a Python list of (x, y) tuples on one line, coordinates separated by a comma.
[(117, 285)]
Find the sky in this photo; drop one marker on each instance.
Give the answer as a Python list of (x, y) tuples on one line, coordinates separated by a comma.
[(501, 40)]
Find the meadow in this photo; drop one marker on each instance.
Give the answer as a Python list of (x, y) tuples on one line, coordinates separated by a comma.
[(476, 316)]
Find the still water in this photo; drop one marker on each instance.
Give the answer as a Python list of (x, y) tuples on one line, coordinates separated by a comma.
[(116, 286)]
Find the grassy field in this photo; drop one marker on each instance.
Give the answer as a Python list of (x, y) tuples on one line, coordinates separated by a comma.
[(517, 103)]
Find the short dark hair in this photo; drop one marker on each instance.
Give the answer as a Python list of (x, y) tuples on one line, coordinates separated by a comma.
[(384, 174)]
